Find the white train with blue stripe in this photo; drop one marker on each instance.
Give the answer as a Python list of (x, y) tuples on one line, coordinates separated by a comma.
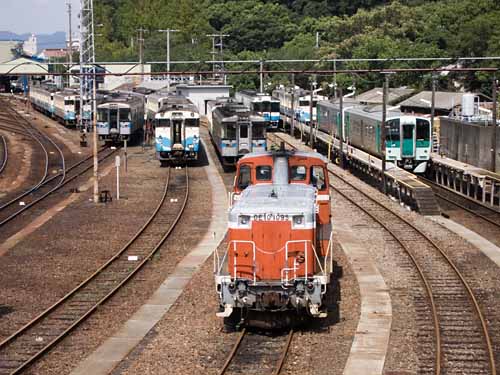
[(262, 104), (67, 106), (177, 130), (62, 105), (235, 130), (120, 117), (299, 107)]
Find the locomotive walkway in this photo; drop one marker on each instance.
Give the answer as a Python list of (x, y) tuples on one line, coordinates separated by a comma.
[(371, 341), (106, 357)]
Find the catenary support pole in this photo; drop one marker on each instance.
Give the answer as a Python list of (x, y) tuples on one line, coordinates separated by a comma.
[(495, 127), (341, 130), (384, 132), (94, 121), (311, 142)]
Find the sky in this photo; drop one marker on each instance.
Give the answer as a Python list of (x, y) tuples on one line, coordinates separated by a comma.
[(37, 16)]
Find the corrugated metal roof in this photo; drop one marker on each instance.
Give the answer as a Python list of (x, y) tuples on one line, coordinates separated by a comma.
[(443, 100), (376, 95)]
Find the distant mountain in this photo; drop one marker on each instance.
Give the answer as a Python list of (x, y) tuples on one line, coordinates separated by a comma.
[(55, 40)]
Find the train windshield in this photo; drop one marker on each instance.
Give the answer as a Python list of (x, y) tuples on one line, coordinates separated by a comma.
[(258, 130), (304, 103), (423, 130), (230, 130), (193, 122), (102, 115), (393, 133), (275, 106), (258, 107), (163, 123), (124, 114), (69, 102)]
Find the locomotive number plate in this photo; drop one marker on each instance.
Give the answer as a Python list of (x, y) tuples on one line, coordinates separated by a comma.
[(271, 217)]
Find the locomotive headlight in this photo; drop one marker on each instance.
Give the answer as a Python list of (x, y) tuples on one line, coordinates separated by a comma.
[(298, 220), (244, 220)]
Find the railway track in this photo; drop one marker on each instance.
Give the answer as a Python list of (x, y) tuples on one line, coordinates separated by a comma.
[(48, 184), (5, 153), (258, 353), (36, 338), (485, 213), (461, 342)]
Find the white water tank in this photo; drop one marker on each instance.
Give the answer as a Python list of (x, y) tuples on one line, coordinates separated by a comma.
[(468, 105)]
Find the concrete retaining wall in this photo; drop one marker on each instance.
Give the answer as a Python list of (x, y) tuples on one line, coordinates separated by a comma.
[(468, 142)]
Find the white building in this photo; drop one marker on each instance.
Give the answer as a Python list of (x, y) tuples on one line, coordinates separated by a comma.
[(200, 95), (30, 47)]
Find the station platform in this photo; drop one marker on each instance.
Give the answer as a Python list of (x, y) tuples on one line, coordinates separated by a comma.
[(400, 183), (464, 179)]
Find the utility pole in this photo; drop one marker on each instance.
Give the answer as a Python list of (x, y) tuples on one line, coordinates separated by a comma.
[(292, 124), (495, 127), (221, 52), (433, 106), (70, 49), (88, 85), (261, 76), (311, 142), (341, 137), (384, 131), (317, 39), (140, 40), (168, 31)]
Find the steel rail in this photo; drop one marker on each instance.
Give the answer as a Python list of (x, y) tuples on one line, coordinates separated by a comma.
[(237, 345), (469, 210), (51, 190), (5, 153), (44, 149), (93, 278), (12, 130), (448, 260)]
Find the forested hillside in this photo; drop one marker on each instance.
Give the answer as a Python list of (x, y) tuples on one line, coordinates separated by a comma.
[(286, 29)]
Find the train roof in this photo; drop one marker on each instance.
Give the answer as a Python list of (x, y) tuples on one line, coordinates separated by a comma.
[(121, 97), (229, 110), (288, 153), (291, 199), (178, 102), (257, 95)]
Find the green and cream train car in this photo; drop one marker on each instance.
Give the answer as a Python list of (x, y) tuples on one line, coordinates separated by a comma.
[(408, 138)]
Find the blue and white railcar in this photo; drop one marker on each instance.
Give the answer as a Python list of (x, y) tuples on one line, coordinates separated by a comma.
[(42, 98), (177, 130), (296, 103), (120, 117), (67, 106), (262, 104), (236, 131)]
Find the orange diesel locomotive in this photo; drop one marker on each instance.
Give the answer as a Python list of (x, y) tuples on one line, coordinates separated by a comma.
[(279, 254)]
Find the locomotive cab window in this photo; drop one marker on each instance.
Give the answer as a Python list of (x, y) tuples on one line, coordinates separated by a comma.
[(163, 123), (244, 177), (298, 173), (275, 107), (230, 130), (318, 177), (263, 173), (393, 132)]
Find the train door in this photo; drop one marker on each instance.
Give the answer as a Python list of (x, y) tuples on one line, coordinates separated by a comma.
[(243, 137), (408, 147), (177, 131), (113, 118)]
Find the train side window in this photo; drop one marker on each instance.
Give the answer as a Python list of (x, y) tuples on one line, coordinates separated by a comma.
[(298, 173), (318, 177), (264, 173), (244, 177)]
